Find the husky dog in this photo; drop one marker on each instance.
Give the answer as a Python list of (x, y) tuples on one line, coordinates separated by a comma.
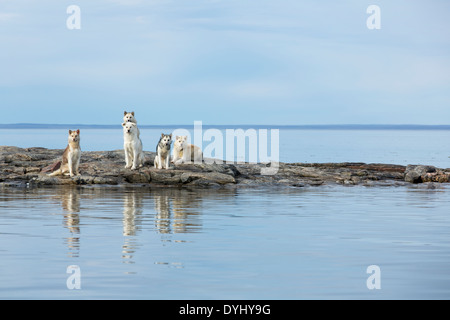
[(184, 152), (163, 151), (134, 155), (71, 156), (129, 117)]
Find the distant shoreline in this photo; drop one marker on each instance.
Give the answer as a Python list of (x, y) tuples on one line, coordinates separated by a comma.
[(282, 127)]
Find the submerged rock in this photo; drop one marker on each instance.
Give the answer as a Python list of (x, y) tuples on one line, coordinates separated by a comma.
[(31, 167)]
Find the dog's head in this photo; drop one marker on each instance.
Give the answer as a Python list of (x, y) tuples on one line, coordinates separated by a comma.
[(180, 141), (74, 136), (166, 139), (129, 127), (129, 117)]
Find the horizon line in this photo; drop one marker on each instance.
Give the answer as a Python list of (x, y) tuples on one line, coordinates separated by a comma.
[(263, 126)]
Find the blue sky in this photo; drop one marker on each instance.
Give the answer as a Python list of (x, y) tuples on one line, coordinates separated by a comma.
[(286, 62)]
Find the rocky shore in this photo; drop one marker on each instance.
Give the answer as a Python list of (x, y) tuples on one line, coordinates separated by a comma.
[(30, 167)]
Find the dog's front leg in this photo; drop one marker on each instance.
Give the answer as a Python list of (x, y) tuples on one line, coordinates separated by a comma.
[(175, 156), (77, 167), (127, 159), (70, 163), (167, 161), (160, 164), (135, 159)]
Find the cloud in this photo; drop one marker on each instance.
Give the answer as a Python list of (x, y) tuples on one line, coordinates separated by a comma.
[(126, 2), (243, 54), (138, 2), (6, 17)]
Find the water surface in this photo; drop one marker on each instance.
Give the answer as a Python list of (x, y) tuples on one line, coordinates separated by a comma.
[(141, 243)]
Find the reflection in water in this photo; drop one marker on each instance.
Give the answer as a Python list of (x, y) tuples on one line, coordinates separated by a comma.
[(133, 208), (167, 211), (177, 211), (70, 199), (247, 241)]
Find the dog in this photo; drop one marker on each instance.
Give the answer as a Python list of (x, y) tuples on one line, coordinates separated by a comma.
[(129, 117), (71, 156), (134, 154), (184, 152), (162, 158)]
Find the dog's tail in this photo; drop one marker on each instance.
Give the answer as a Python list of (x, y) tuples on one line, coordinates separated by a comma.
[(56, 173)]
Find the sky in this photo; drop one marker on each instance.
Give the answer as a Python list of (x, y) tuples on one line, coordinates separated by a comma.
[(284, 62)]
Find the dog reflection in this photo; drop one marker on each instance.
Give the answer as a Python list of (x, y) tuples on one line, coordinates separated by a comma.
[(177, 211), (133, 208), (132, 211), (70, 199)]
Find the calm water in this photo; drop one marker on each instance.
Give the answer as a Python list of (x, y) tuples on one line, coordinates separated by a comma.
[(299, 243), (431, 147), (244, 244)]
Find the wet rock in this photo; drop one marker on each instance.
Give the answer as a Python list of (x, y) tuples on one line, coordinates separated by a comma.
[(421, 174), (31, 167), (215, 177), (137, 177), (165, 177)]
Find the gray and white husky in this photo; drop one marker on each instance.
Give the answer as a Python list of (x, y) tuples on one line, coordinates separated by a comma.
[(162, 158)]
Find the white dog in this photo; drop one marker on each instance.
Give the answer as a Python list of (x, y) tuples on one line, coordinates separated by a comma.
[(134, 155), (129, 117), (183, 152)]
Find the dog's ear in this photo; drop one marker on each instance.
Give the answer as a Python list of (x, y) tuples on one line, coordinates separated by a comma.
[(170, 135), (132, 113), (123, 124), (125, 113), (78, 131), (162, 135), (70, 131)]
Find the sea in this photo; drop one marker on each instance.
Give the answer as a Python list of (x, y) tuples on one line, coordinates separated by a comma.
[(325, 242)]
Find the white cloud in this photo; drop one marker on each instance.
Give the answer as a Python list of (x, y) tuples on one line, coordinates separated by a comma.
[(6, 17), (138, 2)]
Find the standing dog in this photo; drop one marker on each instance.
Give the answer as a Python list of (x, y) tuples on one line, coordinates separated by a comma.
[(184, 152), (134, 155), (163, 151), (129, 117), (71, 156)]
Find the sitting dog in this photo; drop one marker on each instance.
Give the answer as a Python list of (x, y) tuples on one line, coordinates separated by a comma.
[(134, 155), (184, 152), (129, 117), (163, 151), (71, 156)]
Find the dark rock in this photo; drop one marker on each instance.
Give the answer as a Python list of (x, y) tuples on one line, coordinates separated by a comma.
[(19, 167), (216, 177), (137, 177), (419, 173)]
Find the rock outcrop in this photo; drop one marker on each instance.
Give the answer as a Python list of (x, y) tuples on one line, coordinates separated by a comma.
[(30, 167)]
